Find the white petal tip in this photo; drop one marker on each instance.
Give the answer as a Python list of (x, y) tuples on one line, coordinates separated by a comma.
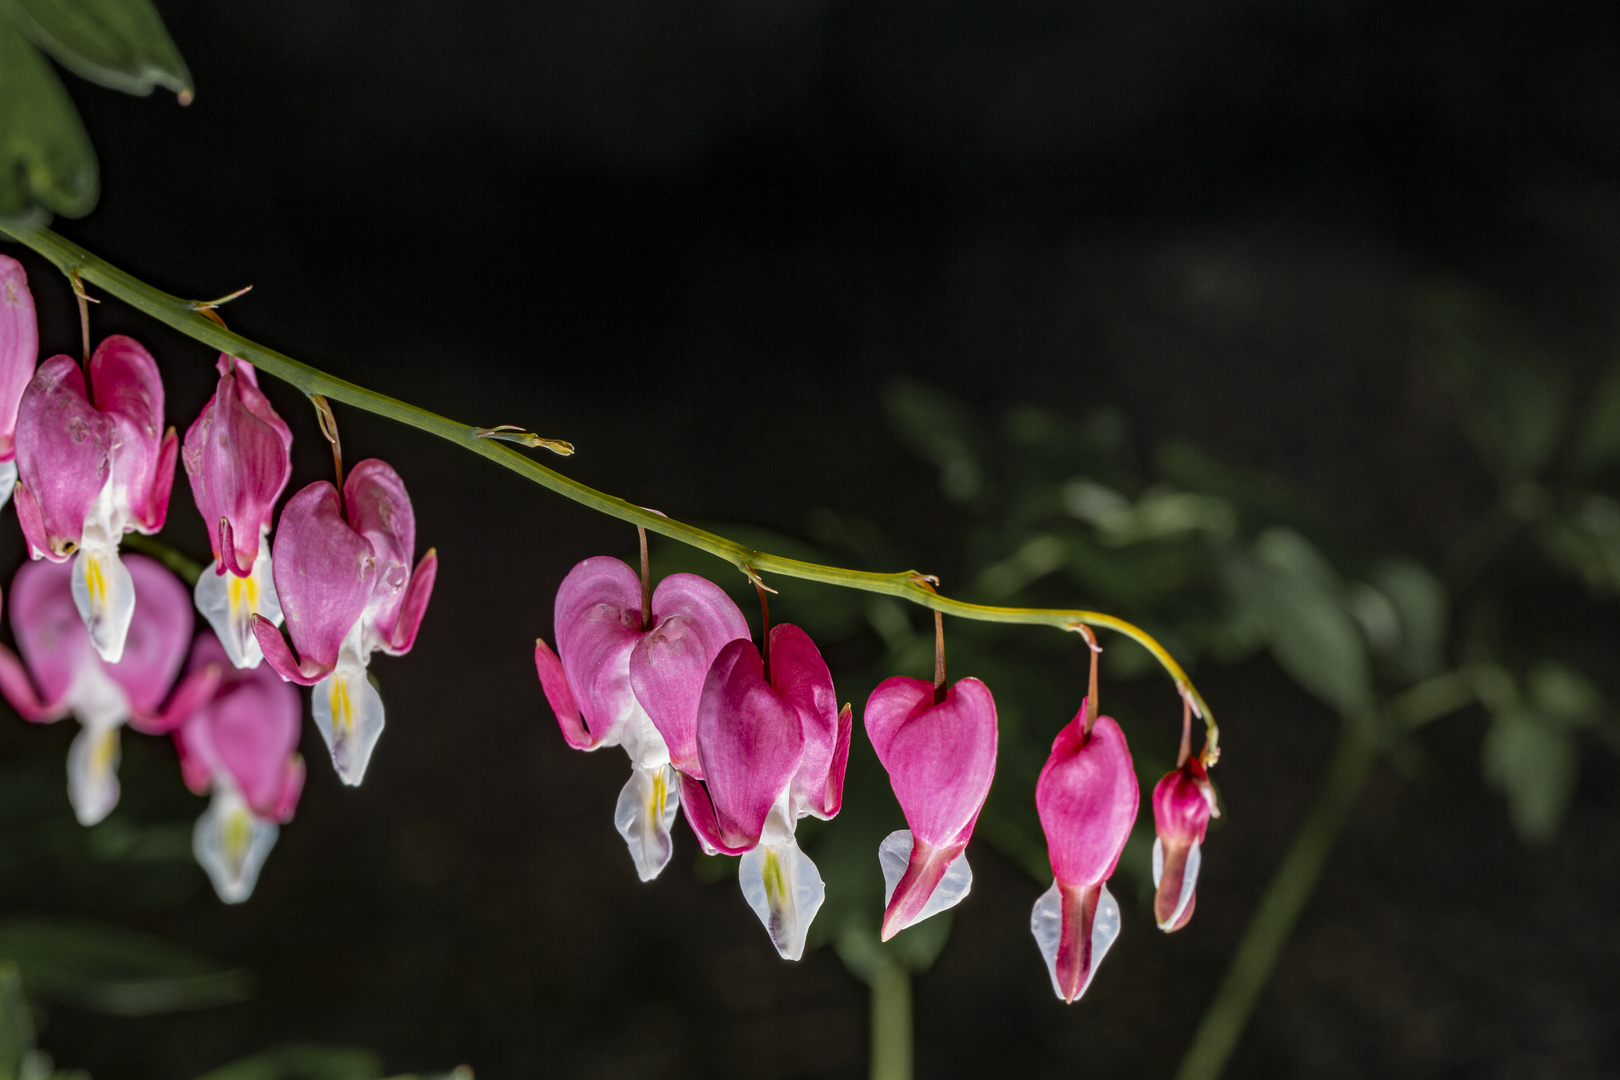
[(785, 890), (894, 855), (644, 816), (104, 594), (231, 843), (93, 773), (349, 715), (1046, 924)]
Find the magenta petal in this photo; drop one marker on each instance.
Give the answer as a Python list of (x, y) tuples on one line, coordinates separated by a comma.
[(554, 681), (64, 451), (924, 871), (159, 634), (128, 390), (750, 743), (248, 730), (280, 657), (598, 621), (692, 619), (380, 511), (417, 594), (237, 459), (194, 692), (323, 573), (18, 689), (19, 346), (292, 786), (940, 758), (1087, 798), (800, 676), (50, 634), (33, 526)]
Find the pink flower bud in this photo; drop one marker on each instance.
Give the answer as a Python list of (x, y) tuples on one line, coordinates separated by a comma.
[(940, 759), (1087, 799), (1182, 805)]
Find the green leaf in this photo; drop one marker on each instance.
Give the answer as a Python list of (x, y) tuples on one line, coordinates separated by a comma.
[(1532, 763), (1517, 400), (16, 1023), (120, 44), (1419, 601), (46, 162), (109, 969), (1298, 597), (303, 1061)]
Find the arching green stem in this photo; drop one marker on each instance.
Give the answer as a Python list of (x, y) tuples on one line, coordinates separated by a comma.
[(187, 316)]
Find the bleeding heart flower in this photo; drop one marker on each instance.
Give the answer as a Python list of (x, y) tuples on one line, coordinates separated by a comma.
[(241, 744), (347, 589), (940, 759), (1182, 805), (772, 748), (237, 455), (19, 352), (1087, 799), (91, 471), (69, 677), (612, 683)]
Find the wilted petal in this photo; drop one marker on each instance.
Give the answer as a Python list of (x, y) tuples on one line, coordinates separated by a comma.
[(229, 602), (19, 352), (942, 881), (782, 885), (104, 594), (323, 572), (1074, 928), (645, 814), (349, 715), (692, 620), (64, 449), (93, 772), (231, 843), (750, 744)]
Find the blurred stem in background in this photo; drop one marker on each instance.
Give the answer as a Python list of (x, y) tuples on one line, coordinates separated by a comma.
[(891, 1021)]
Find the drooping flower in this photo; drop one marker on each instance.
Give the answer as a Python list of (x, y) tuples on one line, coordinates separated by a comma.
[(237, 455), (1087, 799), (90, 471), (940, 758), (346, 589), (241, 744), (613, 683), (19, 352), (1182, 805), (772, 746), (68, 676)]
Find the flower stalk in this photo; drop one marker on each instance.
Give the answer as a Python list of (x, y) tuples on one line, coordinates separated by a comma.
[(186, 316)]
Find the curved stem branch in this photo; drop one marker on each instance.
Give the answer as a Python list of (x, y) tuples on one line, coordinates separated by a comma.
[(187, 317)]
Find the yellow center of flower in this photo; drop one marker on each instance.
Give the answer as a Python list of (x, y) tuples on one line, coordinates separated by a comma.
[(244, 594), (342, 707), (95, 583), (655, 805)]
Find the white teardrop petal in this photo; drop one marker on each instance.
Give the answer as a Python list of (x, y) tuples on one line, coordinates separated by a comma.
[(1158, 861), (231, 843), (1104, 932), (93, 772), (645, 814), (1189, 882), (8, 480), (894, 855), (1046, 924), (229, 602), (104, 593), (785, 890), (349, 715)]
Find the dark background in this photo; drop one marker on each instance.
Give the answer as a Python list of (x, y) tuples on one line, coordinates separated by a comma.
[(698, 239)]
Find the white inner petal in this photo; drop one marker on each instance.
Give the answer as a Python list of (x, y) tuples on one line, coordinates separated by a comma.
[(228, 603), (104, 593), (349, 715), (894, 855), (231, 843), (93, 772), (8, 480), (1046, 924), (1158, 861), (645, 814), (781, 884)]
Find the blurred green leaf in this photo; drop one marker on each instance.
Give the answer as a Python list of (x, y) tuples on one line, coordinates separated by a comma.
[(1599, 444), (16, 1024), (1419, 602), (1516, 399), (1585, 539), (46, 162), (120, 44), (109, 969), (941, 431), (1562, 696), (1298, 597), (1532, 763), (303, 1061)]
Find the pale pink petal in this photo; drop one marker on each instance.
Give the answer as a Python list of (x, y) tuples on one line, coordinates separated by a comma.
[(19, 346), (800, 676), (380, 510), (692, 619), (598, 621), (554, 681), (50, 634), (19, 690), (64, 449), (324, 572), (33, 525), (237, 459), (127, 389), (417, 594)]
